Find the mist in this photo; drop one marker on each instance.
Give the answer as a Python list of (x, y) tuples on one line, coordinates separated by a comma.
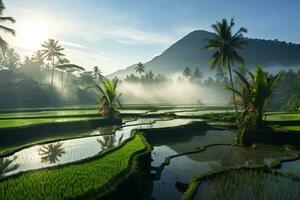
[(173, 92)]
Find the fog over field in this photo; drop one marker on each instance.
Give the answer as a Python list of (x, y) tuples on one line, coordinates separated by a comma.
[(174, 92)]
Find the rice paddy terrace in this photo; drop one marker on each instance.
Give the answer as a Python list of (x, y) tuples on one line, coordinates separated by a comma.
[(154, 152)]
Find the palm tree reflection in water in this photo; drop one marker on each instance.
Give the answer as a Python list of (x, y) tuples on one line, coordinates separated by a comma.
[(7, 166), (52, 152), (110, 141)]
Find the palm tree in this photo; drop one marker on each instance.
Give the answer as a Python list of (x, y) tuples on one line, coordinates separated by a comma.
[(38, 58), (197, 75), (97, 73), (226, 44), (254, 97), (140, 68), (51, 51), (3, 43), (108, 97), (187, 72)]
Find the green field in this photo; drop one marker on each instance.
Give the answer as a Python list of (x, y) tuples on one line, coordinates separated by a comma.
[(25, 122), (283, 117), (74, 180)]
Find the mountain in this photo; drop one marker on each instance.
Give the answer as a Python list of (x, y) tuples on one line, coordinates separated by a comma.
[(189, 52)]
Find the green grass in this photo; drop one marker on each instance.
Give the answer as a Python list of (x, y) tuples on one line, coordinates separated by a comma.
[(283, 116), (48, 113), (292, 128), (73, 180), (25, 122)]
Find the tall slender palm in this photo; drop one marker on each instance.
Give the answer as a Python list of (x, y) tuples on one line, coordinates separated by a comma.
[(140, 68), (3, 43), (226, 44), (51, 51)]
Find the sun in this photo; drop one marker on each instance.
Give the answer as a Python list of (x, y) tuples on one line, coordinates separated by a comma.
[(32, 34)]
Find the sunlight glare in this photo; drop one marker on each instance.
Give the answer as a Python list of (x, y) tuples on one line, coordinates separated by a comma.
[(32, 34)]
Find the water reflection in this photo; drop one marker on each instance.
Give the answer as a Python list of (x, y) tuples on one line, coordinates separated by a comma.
[(51, 153), (109, 141), (6, 165)]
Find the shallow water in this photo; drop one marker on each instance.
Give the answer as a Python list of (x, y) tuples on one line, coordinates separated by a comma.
[(249, 185), (67, 151), (183, 168), (201, 112), (292, 167)]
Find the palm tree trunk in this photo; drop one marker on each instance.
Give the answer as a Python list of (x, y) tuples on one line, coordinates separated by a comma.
[(52, 71), (62, 79), (65, 83), (233, 95)]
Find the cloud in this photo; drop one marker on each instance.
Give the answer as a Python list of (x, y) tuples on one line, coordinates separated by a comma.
[(129, 36), (72, 44)]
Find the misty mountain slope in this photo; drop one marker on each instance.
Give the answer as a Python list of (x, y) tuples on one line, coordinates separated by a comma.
[(189, 52)]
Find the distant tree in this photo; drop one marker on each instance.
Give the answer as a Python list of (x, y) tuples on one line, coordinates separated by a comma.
[(226, 44), (38, 58), (69, 69), (10, 59), (187, 72), (197, 75), (61, 62), (149, 77), (220, 75), (51, 51), (3, 43), (140, 68), (131, 78), (97, 73)]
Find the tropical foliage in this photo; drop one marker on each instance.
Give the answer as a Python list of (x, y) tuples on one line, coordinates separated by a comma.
[(52, 50), (108, 97), (3, 43), (90, 177), (254, 97), (226, 44)]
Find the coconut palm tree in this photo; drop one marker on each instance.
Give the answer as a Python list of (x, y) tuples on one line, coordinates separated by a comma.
[(38, 58), (108, 97), (226, 44), (140, 68), (97, 73), (51, 51), (3, 43), (254, 97)]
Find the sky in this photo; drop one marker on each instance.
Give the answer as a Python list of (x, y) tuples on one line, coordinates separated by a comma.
[(114, 34)]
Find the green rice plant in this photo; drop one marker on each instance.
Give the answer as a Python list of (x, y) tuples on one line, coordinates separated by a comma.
[(249, 185), (73, 181)]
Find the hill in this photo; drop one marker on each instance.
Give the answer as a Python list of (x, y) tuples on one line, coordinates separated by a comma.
[(189, 52)]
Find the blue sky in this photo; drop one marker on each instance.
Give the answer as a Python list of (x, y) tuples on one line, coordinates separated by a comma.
[(114, 34)]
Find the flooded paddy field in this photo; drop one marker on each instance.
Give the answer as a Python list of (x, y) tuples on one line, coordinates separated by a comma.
[(176, 158)]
